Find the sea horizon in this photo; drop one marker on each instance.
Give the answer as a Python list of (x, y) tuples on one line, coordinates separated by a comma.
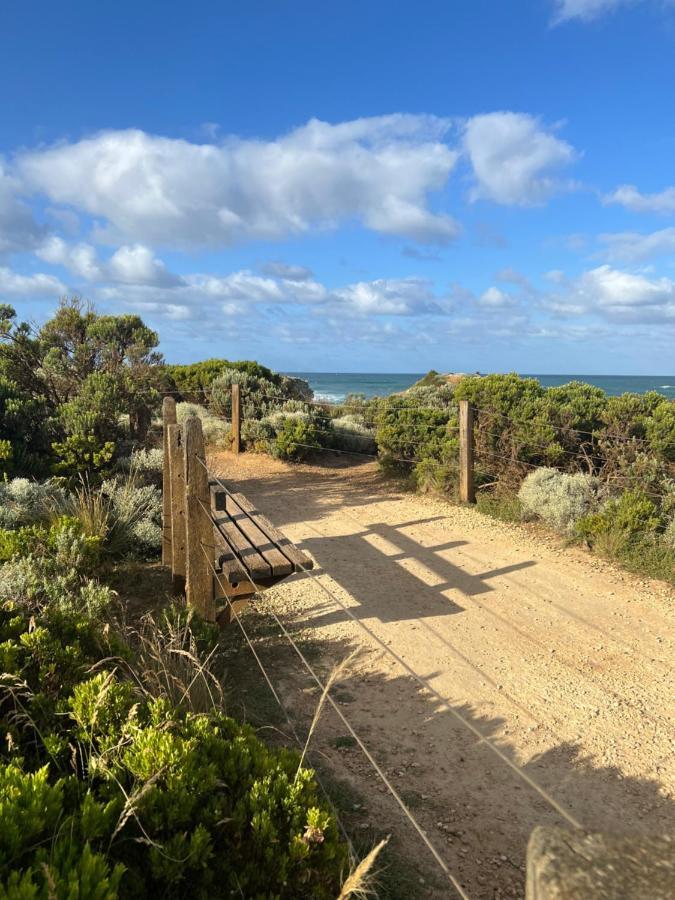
[(334, 386)]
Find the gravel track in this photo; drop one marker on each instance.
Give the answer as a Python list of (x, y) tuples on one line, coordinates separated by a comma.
[(562, 660)]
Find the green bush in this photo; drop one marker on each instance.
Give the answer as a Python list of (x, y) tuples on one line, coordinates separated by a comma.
[(260, 396), (79, 453), (631, 515), (295, 435), (558, 499), (66, 388), (216, 431), (134, 517), (160, 802), (192, 382), (63, 541)]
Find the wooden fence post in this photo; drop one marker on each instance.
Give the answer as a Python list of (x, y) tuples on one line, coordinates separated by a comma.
[(168, 418), (199, 586), (236, 418), (177, 494), (467, 492)]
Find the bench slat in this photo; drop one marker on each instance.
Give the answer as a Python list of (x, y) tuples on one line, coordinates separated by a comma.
[(299, 559), (230, 568), (278, 563), (252, 560)]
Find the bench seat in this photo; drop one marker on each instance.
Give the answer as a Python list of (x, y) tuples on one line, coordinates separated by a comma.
[(250, 553)]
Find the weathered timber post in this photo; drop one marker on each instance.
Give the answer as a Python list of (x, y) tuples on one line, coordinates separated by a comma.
[(199, 527), (177, 495), (467, 492), (236, 418), (168, 418)]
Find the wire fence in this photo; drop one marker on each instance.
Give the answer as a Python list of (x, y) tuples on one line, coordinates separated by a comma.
[(191, 492)]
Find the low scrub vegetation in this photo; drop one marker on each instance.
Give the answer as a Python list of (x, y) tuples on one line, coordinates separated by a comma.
[(570, 457), (120, 773), (558, 498)]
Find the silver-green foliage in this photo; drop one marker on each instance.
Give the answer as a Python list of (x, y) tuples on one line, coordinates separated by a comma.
[(134, 516), (216, 431), (23, 501), (350, 433), (38, 581), (143, 461), (558, 499)]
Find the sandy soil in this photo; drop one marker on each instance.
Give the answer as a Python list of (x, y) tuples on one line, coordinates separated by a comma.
[(562, 660)]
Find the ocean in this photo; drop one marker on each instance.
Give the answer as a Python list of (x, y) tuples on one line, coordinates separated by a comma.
[(334, 386)]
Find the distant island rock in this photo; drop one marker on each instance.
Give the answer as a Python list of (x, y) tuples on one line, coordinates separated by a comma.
[(436, 379)]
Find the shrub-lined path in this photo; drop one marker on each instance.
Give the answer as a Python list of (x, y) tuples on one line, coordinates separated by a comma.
[(561, 659)]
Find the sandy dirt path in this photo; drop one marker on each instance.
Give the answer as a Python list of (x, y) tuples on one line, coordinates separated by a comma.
[(560, 659)]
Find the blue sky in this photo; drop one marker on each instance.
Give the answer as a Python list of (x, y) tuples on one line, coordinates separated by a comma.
[(354, 187)]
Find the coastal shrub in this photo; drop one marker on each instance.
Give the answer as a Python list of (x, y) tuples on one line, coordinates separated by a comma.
[(669, 535), (122, 513), (66, 387), (406, 432), (63, 540), (260, 396), (134, 517), (558, 499), (626, 518), (295, 438), (108, 792), (290, 433), (192, 382), (23, 501), (216, 431), (146, 464), (660, 430), (39, 581), (350, 434)]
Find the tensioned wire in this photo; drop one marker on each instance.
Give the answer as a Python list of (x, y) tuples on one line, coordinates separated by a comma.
[(275, 694), (418, 828), (479, 453), (424, 683), (390, 407)]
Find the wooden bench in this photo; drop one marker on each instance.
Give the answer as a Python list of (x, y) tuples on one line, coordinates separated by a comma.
[(250, 553)]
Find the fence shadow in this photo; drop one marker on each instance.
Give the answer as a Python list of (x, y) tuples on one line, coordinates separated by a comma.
[(475, 809), (392, 576)]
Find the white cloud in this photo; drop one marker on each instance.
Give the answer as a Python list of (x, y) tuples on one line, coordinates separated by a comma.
[(14, 284), (243, 292), (494, 298), (586, 10), (631, 246), (616, 294), (137, 265), (158, 190), (128, 265), (242, 285), (514, 158), (629, 196), (387, 297), (18, 228)]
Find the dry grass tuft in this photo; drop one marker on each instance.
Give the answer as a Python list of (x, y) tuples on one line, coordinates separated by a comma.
[(169, 664), (361, 880)]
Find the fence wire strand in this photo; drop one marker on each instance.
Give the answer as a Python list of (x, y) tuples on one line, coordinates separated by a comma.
[(424, 683), (392, 790)]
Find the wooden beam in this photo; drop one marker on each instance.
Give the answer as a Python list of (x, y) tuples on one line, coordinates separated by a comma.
[(467, 492), (168, 418), (199, 586), (177, 514)]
